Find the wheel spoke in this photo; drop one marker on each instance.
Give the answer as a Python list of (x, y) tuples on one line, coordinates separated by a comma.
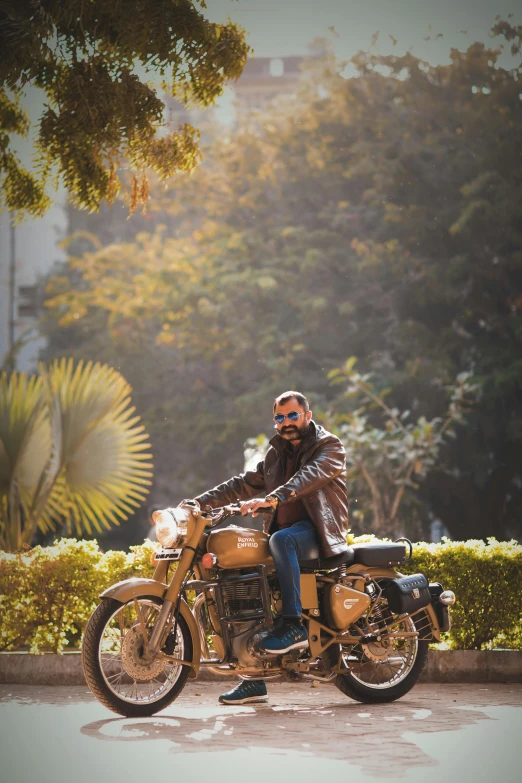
[(117, 676)]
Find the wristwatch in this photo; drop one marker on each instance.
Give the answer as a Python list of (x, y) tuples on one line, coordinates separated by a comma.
[(272, 500)]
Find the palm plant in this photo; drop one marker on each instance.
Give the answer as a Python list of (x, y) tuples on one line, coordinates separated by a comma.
[(72, 452)]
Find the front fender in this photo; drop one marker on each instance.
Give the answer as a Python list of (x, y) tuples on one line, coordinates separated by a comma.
[(134, 588)]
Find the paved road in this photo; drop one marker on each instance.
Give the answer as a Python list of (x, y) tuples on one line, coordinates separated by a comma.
[(436, 734)]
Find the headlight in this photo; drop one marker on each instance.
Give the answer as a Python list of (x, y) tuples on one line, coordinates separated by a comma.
[(171, 527)]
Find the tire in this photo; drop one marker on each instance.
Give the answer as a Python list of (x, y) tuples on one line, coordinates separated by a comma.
[(98, 681), (360, 692)]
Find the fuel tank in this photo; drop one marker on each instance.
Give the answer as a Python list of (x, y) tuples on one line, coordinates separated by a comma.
[(238, 547)]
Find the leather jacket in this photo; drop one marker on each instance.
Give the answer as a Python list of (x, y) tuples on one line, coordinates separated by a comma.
[(320, 483)]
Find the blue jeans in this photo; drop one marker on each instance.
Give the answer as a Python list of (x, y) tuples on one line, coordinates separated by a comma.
[(288, 546)]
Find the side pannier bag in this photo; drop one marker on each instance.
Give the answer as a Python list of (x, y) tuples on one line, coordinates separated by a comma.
[(408, 594)]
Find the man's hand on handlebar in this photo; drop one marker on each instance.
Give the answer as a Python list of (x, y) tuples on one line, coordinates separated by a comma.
[(240, 508), (255, 506)]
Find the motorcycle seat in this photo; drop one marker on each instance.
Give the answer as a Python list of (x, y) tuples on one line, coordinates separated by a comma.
[(379, 554), (327, 563)]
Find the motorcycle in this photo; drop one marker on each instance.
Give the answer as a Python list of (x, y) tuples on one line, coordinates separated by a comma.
[(369, 626)]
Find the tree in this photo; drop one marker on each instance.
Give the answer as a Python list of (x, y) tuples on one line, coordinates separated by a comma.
[(95, 64), (72, 452), (378, 216), (387, 464)]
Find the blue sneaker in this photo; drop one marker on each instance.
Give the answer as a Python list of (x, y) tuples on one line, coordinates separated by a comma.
[(247, 692), (290, 636)]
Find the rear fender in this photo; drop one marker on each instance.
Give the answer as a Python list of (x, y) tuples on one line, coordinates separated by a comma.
[(138, 588), (382, 572)]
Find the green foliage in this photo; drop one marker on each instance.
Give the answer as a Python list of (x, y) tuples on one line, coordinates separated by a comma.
[(48, 594), (20, 189), (487, 581), (345, 224), (94, 64), (72, 452), (387, 463)]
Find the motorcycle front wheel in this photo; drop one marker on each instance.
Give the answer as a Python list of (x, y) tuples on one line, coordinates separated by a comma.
[(113, 663), (378, 673)]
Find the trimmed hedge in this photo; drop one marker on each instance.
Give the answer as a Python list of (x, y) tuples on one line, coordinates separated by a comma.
[(487, 581), (48, 593)]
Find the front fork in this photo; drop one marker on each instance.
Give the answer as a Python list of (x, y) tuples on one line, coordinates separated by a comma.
[(173, 591), (160, 626)]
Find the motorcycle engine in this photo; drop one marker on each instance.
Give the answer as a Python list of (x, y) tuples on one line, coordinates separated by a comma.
[(242, 598), (244, 646)]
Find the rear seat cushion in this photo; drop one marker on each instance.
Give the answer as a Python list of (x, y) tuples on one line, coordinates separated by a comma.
[(379, 554)]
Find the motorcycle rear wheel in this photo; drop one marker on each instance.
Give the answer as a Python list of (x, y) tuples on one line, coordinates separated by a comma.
[(360, 692), (111, 659), (373, 676)]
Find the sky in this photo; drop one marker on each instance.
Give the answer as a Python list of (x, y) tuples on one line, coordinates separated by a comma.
[(285, 27)]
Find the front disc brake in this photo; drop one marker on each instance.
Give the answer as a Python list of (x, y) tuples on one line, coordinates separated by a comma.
[(132, 657)]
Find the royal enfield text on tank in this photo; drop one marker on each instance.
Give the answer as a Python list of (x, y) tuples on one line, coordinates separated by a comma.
[(214, 597)]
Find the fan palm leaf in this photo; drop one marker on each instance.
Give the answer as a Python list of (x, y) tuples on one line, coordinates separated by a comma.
[(85, 463), (22, 414)]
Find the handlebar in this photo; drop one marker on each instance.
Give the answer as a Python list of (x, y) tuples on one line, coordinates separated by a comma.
[(223, 512), (218, 514)]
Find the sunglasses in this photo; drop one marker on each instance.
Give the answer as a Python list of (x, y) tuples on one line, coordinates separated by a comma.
[(292, 416)]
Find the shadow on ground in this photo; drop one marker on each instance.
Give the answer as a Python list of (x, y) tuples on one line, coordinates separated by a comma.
[(370, 736)]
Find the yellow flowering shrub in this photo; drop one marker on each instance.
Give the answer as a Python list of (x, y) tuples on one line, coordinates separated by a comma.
[(48, 593), (487, 581)]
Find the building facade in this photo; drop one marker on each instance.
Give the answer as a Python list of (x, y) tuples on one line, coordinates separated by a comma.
[(27, 254)]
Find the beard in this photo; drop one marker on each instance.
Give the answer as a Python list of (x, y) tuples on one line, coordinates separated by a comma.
[(293, 433)]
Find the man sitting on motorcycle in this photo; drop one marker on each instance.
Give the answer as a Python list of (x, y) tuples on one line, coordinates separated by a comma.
[(305, 512)]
